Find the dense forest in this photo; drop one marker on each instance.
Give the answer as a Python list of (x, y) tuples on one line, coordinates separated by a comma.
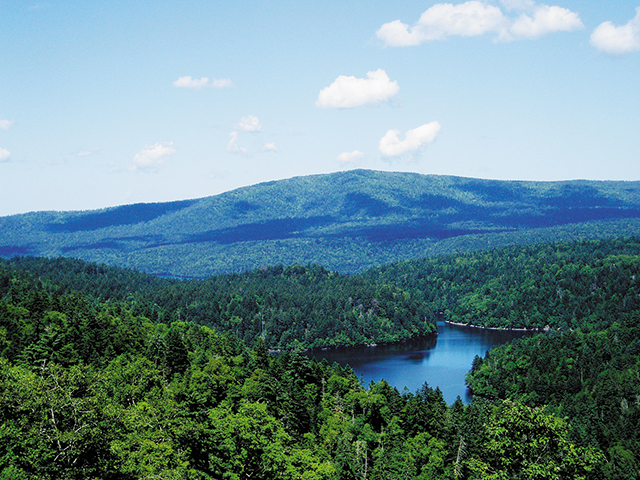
[(345, 221), (288, 307), (584, 285), (108, 373), (590, 378)]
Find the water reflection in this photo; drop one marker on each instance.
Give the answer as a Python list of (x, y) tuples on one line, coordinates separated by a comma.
[(440, 360)]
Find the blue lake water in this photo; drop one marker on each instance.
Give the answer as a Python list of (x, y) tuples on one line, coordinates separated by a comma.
[(441, 360)]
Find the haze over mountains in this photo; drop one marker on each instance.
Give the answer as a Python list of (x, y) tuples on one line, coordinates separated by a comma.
[(346, 221)]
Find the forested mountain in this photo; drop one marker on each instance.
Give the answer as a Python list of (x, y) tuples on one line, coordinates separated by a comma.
[(345, 221), (89, 388)]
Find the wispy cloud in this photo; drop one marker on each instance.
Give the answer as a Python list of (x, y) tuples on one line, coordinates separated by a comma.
[(349, 92), (39, 6), (618, 40), (88, 152), (474, 18), (250, 123), (270, 147), (348, 157), (391, 146), (221, 83), (203, 82), (233, 147), (151, 158), (4, 154)]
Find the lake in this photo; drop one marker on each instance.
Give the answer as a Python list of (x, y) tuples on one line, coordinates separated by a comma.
[(441, 360)]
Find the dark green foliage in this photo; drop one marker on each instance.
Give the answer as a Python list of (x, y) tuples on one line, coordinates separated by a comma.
[(103, 374), (287, 307), (528, 443), (95, 391), (590, 378), (559, 285)]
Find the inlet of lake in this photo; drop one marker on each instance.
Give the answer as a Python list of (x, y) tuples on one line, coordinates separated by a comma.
[(441, 360)]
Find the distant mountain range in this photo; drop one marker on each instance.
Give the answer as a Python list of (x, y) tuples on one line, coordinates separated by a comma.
[(346, 221)]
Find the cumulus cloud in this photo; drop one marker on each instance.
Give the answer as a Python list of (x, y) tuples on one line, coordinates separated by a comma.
[(349, 92), (441, 20), (474, 18), (270, 147), (4, 154), (545, 20), (250, 123), (6, 124), (151, 158), (233, 147), (618, 40), (203, 82), (390, 145), (347, 157)]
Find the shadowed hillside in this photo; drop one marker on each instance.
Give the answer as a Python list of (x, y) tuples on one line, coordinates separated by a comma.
[(346, 221)]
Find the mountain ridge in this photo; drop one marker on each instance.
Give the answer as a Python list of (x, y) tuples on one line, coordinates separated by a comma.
[(346, 221)]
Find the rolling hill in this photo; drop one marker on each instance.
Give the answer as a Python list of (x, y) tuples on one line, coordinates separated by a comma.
[(346, 221)]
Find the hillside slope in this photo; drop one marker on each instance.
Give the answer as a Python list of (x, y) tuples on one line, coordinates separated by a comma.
[(346, 221)]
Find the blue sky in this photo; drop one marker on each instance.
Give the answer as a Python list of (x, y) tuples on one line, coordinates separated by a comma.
[(109, 103)]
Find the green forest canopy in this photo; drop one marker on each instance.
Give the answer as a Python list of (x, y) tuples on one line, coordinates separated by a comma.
[(98, 380)]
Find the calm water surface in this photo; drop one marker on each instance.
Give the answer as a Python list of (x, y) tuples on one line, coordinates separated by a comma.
[(441, 360)]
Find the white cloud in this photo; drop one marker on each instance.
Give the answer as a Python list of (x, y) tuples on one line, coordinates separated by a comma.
[(390, 145), (398, 34), (474, 18), (441, 20), (250, 123), (200, 83), (6, 124), (545, 20), (270, 147), (194, 83), (347, 157), (233, 147), (618, 40), (150, 158), (348, 92), (468, 19), (4, 154)]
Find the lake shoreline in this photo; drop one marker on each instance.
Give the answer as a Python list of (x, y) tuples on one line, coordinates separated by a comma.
[(336, 348), (498, 329), (441, 360)]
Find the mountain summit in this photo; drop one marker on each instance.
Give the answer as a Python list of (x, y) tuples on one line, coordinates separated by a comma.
[(346, 221)]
